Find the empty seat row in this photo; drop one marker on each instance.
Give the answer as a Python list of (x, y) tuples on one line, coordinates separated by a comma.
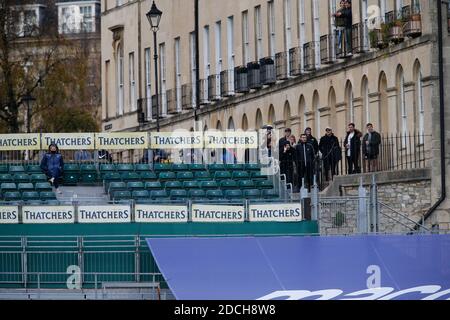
[(28, 195), (38, 186), (12, 169), (22, 177)]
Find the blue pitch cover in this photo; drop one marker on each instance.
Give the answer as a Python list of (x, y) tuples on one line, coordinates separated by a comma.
[(292, 268)]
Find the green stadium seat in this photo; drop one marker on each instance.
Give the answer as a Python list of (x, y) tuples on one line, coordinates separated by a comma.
[(12, 196), (235, 166), (228, 184), (38, 177), (252, 194), (185, 175), (246, 184), (209, 185), (112, 176), (233, 194), (70, 178), (265, 184), (162, 167), (30, 195), (107, 167), (135, 185), (180, 167), (42, 186), (124, 167), (196, 167), (7, 187), (117, 186), (3, 168), (178, 194), (47, 195), (130, 175), (16, 169), (216, 167), (121, 195), (34, 201), (270, 194), (148, 176), (152, 185), (214, 194), (167, 175), (240, 175), (140, 194), (21, 177), (89, 178), (202, 175), (34, 168), (257, 175), (158, 194), (221, 175), (6, 177), (52, 202), (27, 186), (252, 167), (88, 168), (174, 184), (191, 185), (142, 167), (197, 194), (71, 167)]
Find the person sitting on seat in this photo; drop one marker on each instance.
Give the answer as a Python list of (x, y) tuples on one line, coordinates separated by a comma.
[(52, 165)]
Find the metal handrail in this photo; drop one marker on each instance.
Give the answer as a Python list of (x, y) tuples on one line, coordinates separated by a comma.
[(402, 215)]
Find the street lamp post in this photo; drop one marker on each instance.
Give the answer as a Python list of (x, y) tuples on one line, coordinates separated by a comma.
[(154, 16)]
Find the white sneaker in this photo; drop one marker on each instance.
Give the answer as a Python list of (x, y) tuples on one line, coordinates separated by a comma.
[(58, 191), (52, 180)]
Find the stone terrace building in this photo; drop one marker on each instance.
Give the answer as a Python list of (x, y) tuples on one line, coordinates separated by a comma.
[(390, 80)]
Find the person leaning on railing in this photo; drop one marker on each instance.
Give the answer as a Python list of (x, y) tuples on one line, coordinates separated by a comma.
[(371, 148), (340, 24), (346, 14)]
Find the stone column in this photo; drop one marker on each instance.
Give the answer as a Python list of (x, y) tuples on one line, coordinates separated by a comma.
[(393, 112), (358, 113), (410, 103)]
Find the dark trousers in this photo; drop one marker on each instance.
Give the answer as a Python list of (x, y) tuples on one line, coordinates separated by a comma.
[(327, 166), (287, 168), (55, 175), (305, 171), (352, 165)]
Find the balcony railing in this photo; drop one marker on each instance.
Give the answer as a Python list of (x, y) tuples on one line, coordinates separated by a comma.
[(281, 65), (204, 97), (142, 110), (412, 21), (267, 71), (360, 43), (254, 75), (214, 87), (227, 83), (186, 96), (378, 39), (241, 79), (395, 26), (171, 101), (308, 56), (326, 52), (295, 66)]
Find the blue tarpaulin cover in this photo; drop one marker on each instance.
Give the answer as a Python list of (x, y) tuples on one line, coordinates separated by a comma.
[(351, 267)]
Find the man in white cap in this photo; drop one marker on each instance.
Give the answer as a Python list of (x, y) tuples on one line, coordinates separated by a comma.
[(331, 152)]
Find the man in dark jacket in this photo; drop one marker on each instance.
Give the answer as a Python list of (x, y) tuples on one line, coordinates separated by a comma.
[(331, 152), (285, 153), (371, 148), (313, 141), (352, 144), (346, 15), (52, 164), (304, 157)]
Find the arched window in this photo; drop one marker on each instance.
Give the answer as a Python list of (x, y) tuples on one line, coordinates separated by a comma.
[(332, 105), (230, 124), (120, 94), (302, 111), (383, 106), (316, 106), (259, 120), (365, 99), (420, 111), (244, 125), (287, 114), (349, 102), (271, 119), (401, 103)]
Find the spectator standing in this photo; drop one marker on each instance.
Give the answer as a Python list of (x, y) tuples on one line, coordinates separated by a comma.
[(371, 148), (304, 158), (347, 19), (285, 153), (331, 152), (340, 24), (52, 165), (352, 144), (311, 140), (83, 155)]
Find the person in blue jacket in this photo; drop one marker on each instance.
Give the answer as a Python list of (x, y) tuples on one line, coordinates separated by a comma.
[(52, 164)]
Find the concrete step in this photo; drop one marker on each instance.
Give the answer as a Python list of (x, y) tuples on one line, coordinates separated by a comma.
[(83, 194)]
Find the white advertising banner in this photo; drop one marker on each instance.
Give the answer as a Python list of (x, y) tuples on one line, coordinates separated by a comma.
[(48, 214), (281, 212), (9, 214), (69, 141), (217, 213), (121, 140), (25, 141), (104, 214), (231, 139), (160, 213), (176, 140)]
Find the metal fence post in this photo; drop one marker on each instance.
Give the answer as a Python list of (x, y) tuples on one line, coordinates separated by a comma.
[(24, 261), (374, 223), (80, 259), (315, 200), (137, 260), (362, 223)]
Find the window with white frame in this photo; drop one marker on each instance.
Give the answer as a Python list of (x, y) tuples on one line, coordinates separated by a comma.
[(287, 29), (206, 52), (26, 20), (420, 107), (245, 39), (271, 20), (177, 73), (148, 87), (218, 51), (162, 66), (402, 104), (258, 33), (301, 29), (86, 19), (230, 52), (132, 82), (382, 9), (316, 32), (193, 67), (120, 96)]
